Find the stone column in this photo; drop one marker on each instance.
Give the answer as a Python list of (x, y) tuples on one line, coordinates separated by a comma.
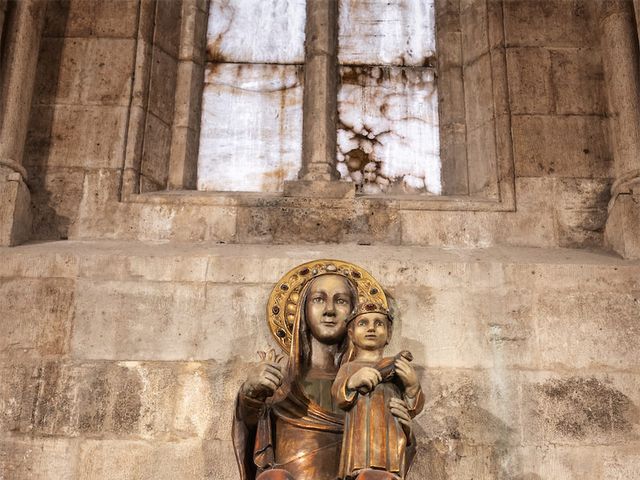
[(622, 82), (24, 24), (319, 120), (188, 98)]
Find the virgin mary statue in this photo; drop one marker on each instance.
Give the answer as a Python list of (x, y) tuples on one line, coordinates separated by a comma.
[(294, 430)]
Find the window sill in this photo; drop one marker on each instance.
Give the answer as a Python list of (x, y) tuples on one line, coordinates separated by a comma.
[(275, 200)]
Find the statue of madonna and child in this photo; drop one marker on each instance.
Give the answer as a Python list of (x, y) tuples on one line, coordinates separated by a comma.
[(337, 409)]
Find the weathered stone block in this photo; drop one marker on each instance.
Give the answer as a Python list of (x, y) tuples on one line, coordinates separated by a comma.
[(478, 92), (561, 146), (566, 23), (374, 224), (469, 407), (96, 336), (85, 71), (482, 160), (162, 84), (556, 461), (76, 136), (188, 315), (579, 409), (579, 328), (578, 81), (473, 23), (125, 459), (622, 464), (449, 49), (38, 459), (500, 85), (168, 24), (451, 98), (581, 211), (482, 229), (56, 200), (453, 154), (156, 222), (599, 271), (39, 264), (38, 323), (107, 71), (84, 18), (530, 80), (155, 156)]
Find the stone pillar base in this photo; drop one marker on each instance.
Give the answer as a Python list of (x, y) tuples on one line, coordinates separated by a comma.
[(622, 233), (319, 189), (15, 210)]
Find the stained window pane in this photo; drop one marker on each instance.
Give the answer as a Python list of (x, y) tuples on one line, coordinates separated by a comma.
[(251, 129), (256, 31), (386, 32), (388, 139)]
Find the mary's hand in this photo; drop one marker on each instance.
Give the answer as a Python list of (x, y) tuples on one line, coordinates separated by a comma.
[(401, 412), (408, 376), (265, 379)]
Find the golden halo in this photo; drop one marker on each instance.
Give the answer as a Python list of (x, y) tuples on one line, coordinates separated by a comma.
[(285, 296)]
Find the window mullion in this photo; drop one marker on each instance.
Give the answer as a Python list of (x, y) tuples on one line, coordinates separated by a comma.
[(320, 91)]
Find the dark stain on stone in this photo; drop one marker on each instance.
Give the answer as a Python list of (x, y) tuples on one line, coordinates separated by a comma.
[(356, 159), (316, 224), (126, 411), (578, 407), (94, 403), (51, 405)]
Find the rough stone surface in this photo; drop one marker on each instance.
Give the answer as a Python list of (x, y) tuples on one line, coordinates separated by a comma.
[(528, 356), (563, 146)]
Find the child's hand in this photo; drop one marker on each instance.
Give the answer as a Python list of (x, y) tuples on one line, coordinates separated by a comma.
[(364, 380), (408, 376)]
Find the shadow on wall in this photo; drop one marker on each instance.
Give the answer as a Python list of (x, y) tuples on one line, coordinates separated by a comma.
[(54, 191), (457, 438)]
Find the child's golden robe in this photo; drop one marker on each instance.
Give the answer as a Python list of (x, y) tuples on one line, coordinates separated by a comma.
[(373, 437)]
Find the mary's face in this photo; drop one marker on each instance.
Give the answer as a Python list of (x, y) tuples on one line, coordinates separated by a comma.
[(329, 303)]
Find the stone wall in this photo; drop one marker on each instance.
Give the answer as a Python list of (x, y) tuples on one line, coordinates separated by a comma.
[(81, 138), (558, 111), (123, 360)]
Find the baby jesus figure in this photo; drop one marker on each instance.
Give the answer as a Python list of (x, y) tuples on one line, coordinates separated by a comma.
[(380, 396)]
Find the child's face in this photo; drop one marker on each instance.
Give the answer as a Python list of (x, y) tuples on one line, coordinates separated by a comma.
[(369, 331)]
